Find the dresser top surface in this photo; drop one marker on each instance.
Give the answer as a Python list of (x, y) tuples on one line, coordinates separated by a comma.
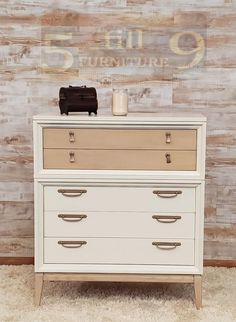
[(130, 118)]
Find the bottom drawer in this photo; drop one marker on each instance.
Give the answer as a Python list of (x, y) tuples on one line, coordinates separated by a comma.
[(118, 251)]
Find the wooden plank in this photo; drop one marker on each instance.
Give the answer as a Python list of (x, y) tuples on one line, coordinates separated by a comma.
[(226, 213), (198, 290), (16, 191), (38, 288), (16, 210), (219, 263), (16, 168), (20, 228), (118, 277), (16, 246), (220, 170), (220, 249), (205, 89), (226, 194), (26, 89), (10, 260), (210, 203), (219, 231)]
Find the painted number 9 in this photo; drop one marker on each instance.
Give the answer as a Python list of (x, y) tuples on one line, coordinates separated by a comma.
[(198, 51)]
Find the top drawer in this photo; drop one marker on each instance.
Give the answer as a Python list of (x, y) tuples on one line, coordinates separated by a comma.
[(118, 198), (119, 138)]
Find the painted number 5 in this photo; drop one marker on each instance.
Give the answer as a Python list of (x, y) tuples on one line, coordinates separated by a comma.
[(198, 51), (50, 51)]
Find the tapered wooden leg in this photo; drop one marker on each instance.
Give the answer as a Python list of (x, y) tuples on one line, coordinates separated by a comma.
[(198, 291), (38, 288)]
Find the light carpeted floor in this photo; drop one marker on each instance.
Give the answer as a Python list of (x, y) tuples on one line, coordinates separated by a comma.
[(116, 302)]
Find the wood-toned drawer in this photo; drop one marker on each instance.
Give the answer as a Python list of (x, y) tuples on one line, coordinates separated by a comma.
[(170, 139), (119, 251), (119, 224), (120, 160), (106, 198)]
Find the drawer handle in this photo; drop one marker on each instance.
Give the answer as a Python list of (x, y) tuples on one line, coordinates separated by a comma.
[(71, 217), (166, 245), (71, 136), (166, 219), (72, 157), (168, 158), (72, 244), (72, 192), (167, 194), (168, 137)]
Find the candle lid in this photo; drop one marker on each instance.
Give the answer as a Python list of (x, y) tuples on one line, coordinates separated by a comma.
[(120, 90)]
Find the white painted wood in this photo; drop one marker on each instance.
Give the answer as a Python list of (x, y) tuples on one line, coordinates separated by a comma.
[(133, 121), (199, 227), (120, 224), (121, 175), (120, 199), (115, 243), (107, 268), (132, 118), (38, 225), (119, 251)]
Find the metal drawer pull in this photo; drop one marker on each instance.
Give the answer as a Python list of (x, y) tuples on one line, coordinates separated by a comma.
[(72, 157), (72, 217), (168, 159), (72, 192), (168, 137), (166, 245), (167, 194), (72, 244), (71, 137), (166, 219)]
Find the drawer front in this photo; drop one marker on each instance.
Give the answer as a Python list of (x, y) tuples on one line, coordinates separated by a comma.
[(120, 160), (119, 224), (158, 198), (119, 138), (118, 251)]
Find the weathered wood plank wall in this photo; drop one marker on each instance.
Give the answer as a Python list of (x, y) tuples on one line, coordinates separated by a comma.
[(111, 43)]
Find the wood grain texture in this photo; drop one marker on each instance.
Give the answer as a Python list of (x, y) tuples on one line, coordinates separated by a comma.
[(16, 246), (11, 260), (119, 160), (117, 43), (30, 261)]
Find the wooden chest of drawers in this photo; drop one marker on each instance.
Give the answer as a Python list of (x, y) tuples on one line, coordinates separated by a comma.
[(119, 198)]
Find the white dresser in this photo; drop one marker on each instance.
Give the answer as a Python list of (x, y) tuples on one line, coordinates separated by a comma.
[(119, 198)]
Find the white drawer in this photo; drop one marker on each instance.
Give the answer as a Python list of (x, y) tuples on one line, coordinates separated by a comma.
[(118, 251), (157, 198), (119, 224)]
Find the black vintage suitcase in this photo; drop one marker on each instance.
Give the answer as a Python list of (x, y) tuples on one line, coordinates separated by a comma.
[(78, 99)]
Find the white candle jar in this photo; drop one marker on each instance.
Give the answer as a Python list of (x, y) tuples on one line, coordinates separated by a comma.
[(120, 102)]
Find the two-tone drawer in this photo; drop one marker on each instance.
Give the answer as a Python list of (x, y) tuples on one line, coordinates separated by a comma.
[(160, 199), (119, 224), (120, 149), (119, 159), (145, 139), (119, 251)]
